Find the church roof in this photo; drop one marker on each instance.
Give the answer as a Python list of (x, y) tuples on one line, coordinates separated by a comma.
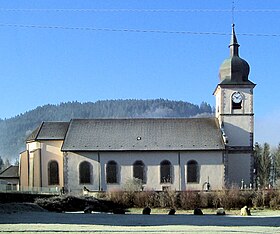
[(49, 131), (143, 134), (10, 172)]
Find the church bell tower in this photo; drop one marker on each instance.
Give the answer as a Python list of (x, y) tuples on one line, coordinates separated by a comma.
[(234, 110)]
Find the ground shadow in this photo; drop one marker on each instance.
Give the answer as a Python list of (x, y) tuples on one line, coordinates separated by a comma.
[(137, 219)]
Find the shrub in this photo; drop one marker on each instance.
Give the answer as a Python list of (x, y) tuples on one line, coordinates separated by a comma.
[(168, 199), (275, 203), (248, 197), (120, 197), (143, 199), (189, 200), (232, 198), (133, 185), (258, 199), (262, 198), (206, 200), (228, 199), (72, 203), (274, 199)]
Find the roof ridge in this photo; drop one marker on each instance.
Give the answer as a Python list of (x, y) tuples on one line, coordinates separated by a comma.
[(133, 118)]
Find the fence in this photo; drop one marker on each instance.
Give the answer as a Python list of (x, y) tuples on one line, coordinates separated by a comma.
[(14, 188)]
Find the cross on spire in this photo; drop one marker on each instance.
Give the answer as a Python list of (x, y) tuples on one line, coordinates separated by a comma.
[(233, 43)]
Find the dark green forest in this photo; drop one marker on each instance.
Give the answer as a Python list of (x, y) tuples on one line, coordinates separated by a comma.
[(14, 131)]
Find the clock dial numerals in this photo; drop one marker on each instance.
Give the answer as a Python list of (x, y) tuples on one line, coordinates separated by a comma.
[(237, 97)]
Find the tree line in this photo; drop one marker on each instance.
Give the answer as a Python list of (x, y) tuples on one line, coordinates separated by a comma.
[(5, 164), (14, 131), (266, 166)]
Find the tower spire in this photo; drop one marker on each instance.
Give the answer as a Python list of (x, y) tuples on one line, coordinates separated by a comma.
[(233, 43), (234, 70)]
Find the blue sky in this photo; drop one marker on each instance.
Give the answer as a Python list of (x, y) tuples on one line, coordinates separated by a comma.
[(41, 66)]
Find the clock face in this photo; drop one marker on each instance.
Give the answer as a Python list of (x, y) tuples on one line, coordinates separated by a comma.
[(237, 97)]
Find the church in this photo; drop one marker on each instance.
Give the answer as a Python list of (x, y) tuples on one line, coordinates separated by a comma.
[(162, 153)]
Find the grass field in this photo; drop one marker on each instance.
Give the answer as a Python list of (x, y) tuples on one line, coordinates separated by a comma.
[(265, 221)]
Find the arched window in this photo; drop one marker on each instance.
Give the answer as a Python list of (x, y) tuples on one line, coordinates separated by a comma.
[(85, 173), (139, 170), (112, 172), (53, 173), (192, 172), (165, 172)]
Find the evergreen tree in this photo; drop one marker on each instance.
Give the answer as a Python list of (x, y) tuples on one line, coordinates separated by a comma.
[(7, 163), (205, 108), (264, 165), (257, 156), (1, 164), (16, 162), (276, 165)]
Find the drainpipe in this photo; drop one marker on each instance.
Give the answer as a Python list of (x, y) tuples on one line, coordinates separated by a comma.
[(180, 171), (99, 171), (65, 172), (41, 166)]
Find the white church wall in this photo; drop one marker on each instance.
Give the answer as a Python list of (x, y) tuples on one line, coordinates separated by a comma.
[(238, 130), (218, 101), (50, 150), (152, 162), (31, 170), (72, 183), (210, 164), (211, 169), (31, 146)]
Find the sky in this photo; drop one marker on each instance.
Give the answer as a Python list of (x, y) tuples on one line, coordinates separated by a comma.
[(59, 51)]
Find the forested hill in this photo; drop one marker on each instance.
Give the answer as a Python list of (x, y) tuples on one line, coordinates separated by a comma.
[(14, 131)]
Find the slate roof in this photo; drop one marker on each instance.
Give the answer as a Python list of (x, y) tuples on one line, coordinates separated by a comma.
[(234, 70), (49, 131), (231, 82), (143, 134), (33, 135), (10, 172)]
